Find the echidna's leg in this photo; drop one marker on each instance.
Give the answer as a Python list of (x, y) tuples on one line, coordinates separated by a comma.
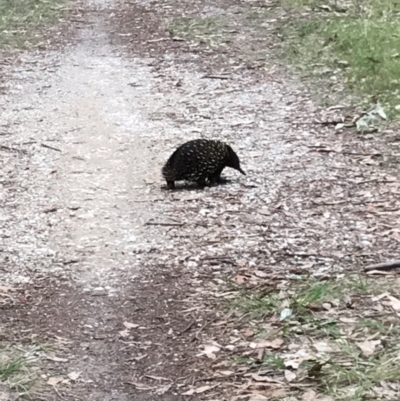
[(216, 177), (201, 182), (170, 184)]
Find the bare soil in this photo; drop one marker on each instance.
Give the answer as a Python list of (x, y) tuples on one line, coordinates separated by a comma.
[(123, 279)]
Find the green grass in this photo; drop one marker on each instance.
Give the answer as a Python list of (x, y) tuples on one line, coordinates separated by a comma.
[(358, 47), (207, 31), (21, 21), (9, 368), (309, 295), (355, 381), (344, 372), (19, 369)]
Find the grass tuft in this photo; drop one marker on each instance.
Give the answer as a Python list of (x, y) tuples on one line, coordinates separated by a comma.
[(21, 20), (335, 316), (18, 367), (358, 46)]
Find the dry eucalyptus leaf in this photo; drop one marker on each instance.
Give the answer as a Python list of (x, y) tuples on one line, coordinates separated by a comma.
[(209, 351), (53, 381), (264, 211), (199, 390), (141, 386), (289, 375), (368, 347), (131, 325), (124, 333), (309, 395), (260, 274), (258, 397), (275, 344), (74, 375), (322, 347), (248, 333), (394, 302)]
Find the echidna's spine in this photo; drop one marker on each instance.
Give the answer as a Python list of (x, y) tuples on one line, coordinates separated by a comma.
[(199, 160)]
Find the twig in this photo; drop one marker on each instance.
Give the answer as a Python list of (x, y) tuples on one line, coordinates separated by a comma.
[(157, 40), (193, 322), (204, 379), (4, 147), (328, 150), (70, 262), (43, 145), (196, 336), (216, 76), (149, 223), (51, 210), (383, 266)]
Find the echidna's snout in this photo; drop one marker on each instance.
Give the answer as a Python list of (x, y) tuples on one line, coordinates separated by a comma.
[(240, 170)]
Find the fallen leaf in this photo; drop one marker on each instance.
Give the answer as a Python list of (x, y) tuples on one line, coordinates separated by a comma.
[(159, 378), (163, 389), (248, 333), (124, 333), (277, 393), (322, 347), (209, 351), (379, 297), (260, 274), (53, 381), (240, 279), (275, 344), (368, 347), (309, 395), (140, 357), (294, 360), (289, 375), (226, 372), (264, 211), (141, 386), (131, 325), (199, 390), (394, 302), (347, 320), (74, 375), (258, 397)]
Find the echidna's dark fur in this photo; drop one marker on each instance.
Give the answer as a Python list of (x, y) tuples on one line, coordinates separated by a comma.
[(200, 160)]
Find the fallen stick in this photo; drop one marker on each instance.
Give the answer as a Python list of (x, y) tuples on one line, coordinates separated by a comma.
[(43, 145), (149, 223), (383, 266), (216, 76)]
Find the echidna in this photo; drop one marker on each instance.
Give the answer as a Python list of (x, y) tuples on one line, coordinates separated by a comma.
[(199, 160)]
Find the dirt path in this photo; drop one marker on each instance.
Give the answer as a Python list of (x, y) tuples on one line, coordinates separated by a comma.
[(121, 277)]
